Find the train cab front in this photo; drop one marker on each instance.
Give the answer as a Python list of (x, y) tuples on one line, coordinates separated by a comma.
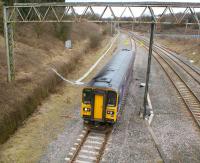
[(99, 105)]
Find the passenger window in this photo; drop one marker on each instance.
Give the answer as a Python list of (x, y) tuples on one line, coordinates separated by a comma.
[(112, 98), (87, 96)]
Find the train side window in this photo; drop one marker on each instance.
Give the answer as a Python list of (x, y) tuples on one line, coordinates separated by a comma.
[(87, 96), (112, 98)]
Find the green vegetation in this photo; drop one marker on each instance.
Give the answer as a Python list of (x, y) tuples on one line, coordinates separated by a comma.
[(10, 2)]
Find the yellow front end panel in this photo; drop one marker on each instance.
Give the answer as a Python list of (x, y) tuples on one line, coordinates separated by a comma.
[(88, 113), (98, 107), (114, 116)]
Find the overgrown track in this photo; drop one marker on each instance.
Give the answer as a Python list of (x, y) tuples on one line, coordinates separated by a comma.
[(169, 62), (89, 146)]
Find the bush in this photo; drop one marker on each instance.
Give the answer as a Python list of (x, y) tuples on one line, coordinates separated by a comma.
[(95, 39), (63, 31), (1, 17), (107, 29)]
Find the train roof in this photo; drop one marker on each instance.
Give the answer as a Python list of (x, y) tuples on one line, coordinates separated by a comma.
[(111, 76)]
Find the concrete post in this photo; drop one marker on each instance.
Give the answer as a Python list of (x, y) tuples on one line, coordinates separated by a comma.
[(8, 34)]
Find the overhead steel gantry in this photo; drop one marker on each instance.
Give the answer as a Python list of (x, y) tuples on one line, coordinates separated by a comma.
[(59, 12), (70, 12)]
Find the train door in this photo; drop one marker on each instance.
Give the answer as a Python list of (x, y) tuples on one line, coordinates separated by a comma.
[(98, 106)]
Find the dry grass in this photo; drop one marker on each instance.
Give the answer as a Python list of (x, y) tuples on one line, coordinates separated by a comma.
[(31, 140), (34, 80)]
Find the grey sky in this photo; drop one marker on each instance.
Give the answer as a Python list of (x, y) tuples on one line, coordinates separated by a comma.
[(136, 11)]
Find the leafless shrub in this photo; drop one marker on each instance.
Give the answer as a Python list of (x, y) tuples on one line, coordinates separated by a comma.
[(106, 29), (63, 31), (95, 39)]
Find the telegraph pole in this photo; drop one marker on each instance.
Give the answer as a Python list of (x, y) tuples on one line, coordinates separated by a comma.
[(148, 69)]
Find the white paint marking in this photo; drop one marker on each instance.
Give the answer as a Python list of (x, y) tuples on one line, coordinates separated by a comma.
[(151, 109)]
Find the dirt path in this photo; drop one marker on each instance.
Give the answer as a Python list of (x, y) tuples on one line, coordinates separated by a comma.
[(53, 116)]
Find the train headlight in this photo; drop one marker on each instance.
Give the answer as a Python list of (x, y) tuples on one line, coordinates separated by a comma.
[(86, 109), (110, 112)]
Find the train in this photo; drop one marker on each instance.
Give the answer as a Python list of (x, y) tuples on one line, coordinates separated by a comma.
[(102, 97)]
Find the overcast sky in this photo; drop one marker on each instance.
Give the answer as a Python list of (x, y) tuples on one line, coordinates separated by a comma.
[(136, 11)]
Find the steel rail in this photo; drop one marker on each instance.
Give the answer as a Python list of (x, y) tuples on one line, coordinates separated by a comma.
[(167, 50), (79, 152), (186, 67), (187, 95), (190, 73), (80, 145), (173, 54)]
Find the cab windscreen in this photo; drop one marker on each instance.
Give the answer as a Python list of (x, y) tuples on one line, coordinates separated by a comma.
[(87, 96), (111, 98)]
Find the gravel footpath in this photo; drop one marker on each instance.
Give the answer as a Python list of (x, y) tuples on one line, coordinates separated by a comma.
[(59, 148), (173, 124)]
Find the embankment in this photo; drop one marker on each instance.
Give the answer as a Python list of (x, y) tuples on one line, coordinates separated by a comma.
[(35, 53)]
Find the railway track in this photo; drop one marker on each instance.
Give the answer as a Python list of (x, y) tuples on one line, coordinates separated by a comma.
[(89, 147), (194, 73), (169, 62)]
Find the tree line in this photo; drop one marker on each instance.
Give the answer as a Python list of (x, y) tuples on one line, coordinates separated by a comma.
[(10, 2)]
